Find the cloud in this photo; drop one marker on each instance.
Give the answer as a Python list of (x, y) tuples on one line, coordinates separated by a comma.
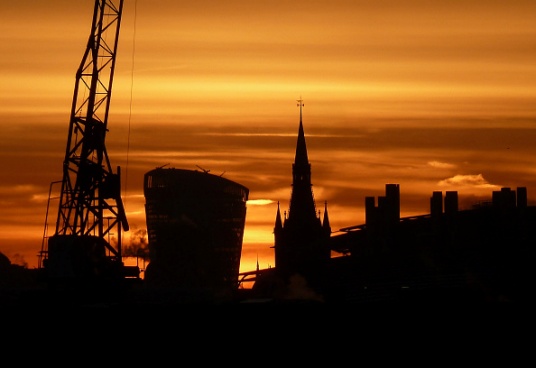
[(441, 165), (18, 189), (477, 181)]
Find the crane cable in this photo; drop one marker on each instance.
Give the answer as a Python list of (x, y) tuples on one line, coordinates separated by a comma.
[(131, 94)]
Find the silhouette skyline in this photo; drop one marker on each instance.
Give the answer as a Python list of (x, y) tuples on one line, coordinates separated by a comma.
[(392, 96), (484, 254)]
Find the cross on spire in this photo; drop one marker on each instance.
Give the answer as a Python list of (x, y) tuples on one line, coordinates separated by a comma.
[(300, 104)]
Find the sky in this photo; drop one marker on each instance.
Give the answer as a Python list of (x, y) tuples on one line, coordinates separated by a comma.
[(431, 95)]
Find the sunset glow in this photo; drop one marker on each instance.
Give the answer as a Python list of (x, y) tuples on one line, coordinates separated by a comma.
[(429, 95)]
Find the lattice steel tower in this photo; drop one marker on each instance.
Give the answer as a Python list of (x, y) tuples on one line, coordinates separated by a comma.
[(90, 201)]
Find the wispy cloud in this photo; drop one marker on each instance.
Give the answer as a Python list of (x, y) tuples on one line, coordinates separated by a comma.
[(477, 181), (441, 165)]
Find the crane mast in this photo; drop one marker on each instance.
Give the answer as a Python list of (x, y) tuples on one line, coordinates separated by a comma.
[(90, 204)]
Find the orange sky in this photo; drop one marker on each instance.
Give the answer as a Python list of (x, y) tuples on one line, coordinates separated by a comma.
[(432, 95)]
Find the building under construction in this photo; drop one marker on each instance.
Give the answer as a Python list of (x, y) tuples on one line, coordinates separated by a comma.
[(195, 225)]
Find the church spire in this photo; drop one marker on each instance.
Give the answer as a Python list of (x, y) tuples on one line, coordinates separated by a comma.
[(278, 223), (325, 224), (301, 160), (301, 242), (302, 205)]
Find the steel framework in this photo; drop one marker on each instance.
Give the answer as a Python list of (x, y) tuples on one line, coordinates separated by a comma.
[(90, 201)]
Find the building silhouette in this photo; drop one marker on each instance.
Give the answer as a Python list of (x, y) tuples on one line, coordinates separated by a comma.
[(484, 253), (195, 226), (301, 235), (449, 255), (195, 222)]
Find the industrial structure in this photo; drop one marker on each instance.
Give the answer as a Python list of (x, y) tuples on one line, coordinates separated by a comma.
[(195, 225), (483, 253), (82, 249)]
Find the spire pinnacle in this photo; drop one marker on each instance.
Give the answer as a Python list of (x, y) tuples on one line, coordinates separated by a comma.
[(300, 104), (278, 222), (301, 161)]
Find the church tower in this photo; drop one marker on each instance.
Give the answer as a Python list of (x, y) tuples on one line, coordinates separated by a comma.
[(301, 238)]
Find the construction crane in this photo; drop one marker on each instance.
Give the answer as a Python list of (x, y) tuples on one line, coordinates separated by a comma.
[(90, 204)]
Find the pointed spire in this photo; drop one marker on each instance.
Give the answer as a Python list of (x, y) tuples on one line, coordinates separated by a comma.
[(302, 205), (325, 223), (301, 159), (278, 223)]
